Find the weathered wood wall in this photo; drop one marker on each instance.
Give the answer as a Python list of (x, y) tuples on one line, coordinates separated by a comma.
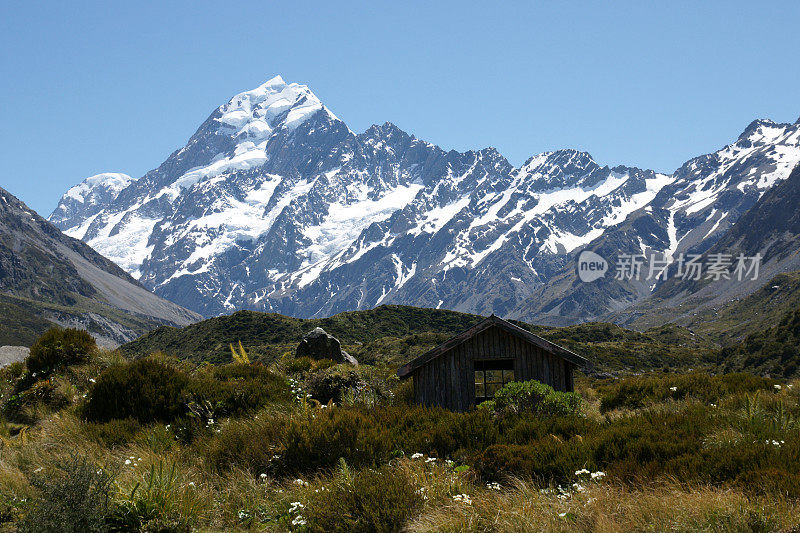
[(448, 380)]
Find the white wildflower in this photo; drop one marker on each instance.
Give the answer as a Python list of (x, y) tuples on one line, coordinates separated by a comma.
[(430, 460), (598, 475), (299, 521), (777, 387), (493, 485), (674, 389), (417, 456), (582, 472), (463, 498), (300, 482)]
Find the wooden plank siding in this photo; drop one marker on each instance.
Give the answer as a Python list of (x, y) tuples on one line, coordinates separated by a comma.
[(448, 380)]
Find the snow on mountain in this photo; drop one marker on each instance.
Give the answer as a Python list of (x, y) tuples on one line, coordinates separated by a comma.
[(88, 198), (275, 204), (698, 205), (711, 191)]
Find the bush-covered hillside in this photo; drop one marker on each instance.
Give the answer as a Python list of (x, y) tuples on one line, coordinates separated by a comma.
[(263, 332), (733, 322), (102, 443), (396, 334), (774, 351)]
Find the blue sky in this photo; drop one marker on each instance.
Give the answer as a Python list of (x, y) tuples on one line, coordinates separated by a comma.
[(92, 87)]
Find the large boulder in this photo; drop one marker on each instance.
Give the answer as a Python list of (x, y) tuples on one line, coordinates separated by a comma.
[(318, 344)]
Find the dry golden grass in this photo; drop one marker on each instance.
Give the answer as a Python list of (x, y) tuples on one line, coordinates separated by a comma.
[(610, 508)]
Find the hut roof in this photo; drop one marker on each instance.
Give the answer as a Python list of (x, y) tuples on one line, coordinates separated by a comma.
[(505, 325)]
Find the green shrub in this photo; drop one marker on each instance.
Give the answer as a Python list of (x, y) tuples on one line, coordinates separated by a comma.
[(23, 405), (249, 444), (379, 501), (533, 397), (59, 347), (75, 499), (235, 390), (437, 432), (332, 383), (770, 481), (146, 389), (547, 460), (639, 391), (298, 365), (321, 439)]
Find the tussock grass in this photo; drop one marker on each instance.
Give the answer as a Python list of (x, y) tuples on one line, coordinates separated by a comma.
[(611, 508)]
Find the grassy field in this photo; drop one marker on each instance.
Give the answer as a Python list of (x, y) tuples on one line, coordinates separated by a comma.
[(162, 444)]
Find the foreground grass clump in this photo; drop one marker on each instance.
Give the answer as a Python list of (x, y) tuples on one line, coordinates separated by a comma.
[(379, 500), (610, 508), (74, 498)]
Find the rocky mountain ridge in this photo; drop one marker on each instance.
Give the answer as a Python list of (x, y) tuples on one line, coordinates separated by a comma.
[(274, 204), (48, 278)]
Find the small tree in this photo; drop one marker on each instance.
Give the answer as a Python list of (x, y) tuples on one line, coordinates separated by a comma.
[(60, 347), (534, 397)]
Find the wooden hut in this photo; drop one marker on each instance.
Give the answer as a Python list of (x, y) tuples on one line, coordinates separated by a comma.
[(472, 366)]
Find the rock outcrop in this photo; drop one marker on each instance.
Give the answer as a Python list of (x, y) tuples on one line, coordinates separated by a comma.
[(319, 344)]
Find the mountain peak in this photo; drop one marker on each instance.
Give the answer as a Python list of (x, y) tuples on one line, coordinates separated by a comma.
[(758, 128), (274, 82), (275, 104), (88, 197), (568, 159)]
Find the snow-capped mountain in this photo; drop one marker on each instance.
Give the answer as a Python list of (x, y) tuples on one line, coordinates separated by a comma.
[(706, 196), (88, 198), (275, 204)]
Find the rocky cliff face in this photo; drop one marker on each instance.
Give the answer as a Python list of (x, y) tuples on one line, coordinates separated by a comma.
[(50, 278)]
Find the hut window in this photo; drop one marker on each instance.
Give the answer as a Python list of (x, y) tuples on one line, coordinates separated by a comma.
[(490, 376)]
